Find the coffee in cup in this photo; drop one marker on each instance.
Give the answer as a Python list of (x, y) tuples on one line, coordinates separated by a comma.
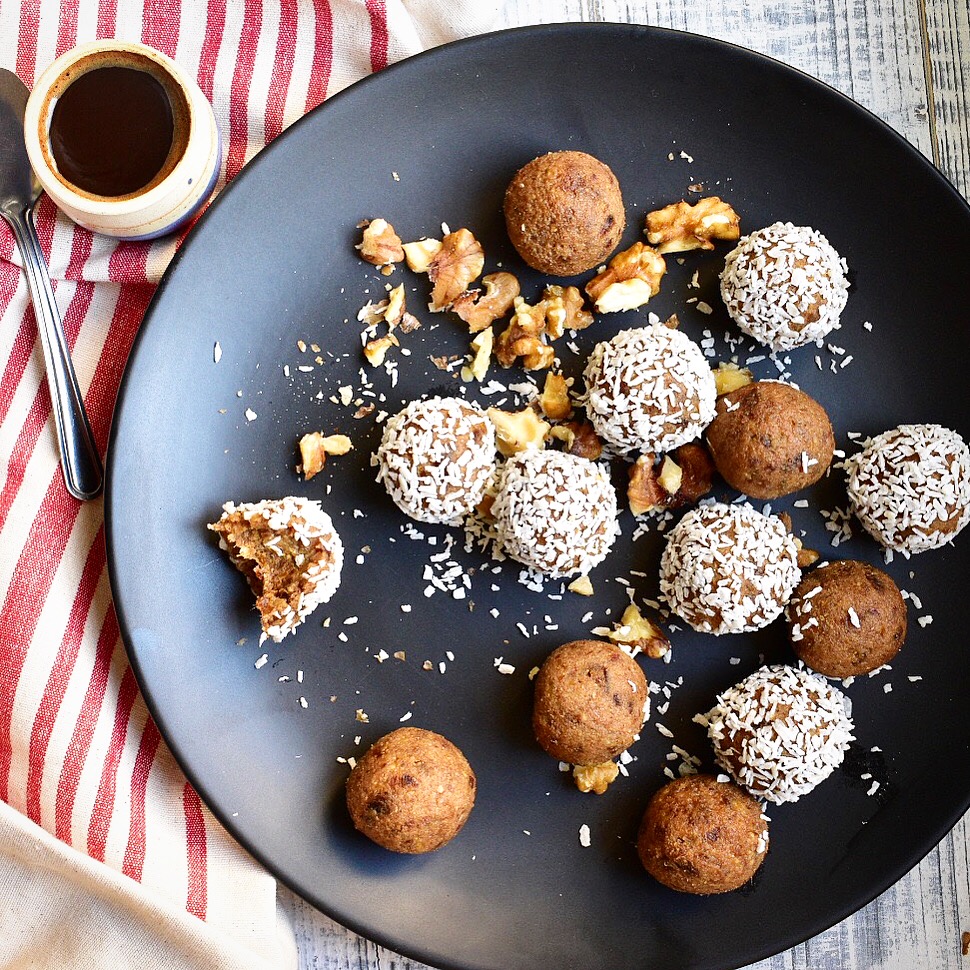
[(122, 139)]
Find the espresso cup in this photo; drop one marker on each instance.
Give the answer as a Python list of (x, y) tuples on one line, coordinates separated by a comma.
[(122, 139)]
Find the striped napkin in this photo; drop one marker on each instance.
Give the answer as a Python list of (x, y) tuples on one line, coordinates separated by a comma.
[(108, 858)]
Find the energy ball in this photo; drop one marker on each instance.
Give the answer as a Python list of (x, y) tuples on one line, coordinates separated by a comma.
[(728, 568), (846, 618), (290, 554), (779, 732), (436, 458), (649, 389), (589, 702), (785, 285), (411, 792), (555, 512), (910, 487), (564, 213), (770, 439), (701, 835)]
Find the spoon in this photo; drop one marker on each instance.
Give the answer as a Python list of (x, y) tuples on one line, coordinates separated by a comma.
[(19, 191)]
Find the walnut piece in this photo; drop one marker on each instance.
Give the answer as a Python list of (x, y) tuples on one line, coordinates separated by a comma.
[(629, 281), (458, 262), (480, 310), (640, 633), (376, 350), (380, 244), (681, 227), (564, 310), (595, 778), (481, 355), (314, 448), (696, 473), (729, 377), (418, 255), (394, 313), (580, 438), (679, 480), (582, 586), (554, 399), (524, 338), (516, 431), (644, 491)]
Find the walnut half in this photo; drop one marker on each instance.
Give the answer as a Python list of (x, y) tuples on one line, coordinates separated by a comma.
[(681, 227)]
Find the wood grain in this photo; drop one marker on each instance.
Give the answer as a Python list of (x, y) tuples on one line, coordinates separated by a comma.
[(909, 63)]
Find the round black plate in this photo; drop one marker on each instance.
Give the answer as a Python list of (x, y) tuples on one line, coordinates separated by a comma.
[(434, 140)]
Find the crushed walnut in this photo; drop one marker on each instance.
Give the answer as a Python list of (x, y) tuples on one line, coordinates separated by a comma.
[(579, 438), (479, 310), (595, 778), (629, 281), (640, 633), (679, 480), (380, 244), (554, 399), (376, 350), (457, 263), (481, 346), (418, 255), (728, 377), (314, 448), (516, 431), (681, 227)]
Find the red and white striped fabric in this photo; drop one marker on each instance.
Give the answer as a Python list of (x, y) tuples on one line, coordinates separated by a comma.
[(82, 766)]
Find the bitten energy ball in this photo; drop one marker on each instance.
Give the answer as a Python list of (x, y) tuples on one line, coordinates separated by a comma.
[(555, 512), (785, 285), (436, 458), (910, 487), (846, 618), (589, 702), (779, 732), (770, 439), (290, 554), (700, 835), (564, 213), (650, 389), (728, 568), (411, 792)]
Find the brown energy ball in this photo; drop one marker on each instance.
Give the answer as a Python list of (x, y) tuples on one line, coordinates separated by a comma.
[(770, 439), (564, 212), (589, 702), (411, 792), (700, 835), (846, 618)]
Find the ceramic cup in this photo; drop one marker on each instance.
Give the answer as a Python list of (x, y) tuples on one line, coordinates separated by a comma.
[(183, 183)]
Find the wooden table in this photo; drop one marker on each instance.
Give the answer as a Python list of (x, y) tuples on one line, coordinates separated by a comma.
[(909, 62)]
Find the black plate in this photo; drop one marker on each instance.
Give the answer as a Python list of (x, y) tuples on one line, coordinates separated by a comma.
[(436, 139)]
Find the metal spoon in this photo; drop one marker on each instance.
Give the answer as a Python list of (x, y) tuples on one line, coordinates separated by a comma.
[(19, 191)]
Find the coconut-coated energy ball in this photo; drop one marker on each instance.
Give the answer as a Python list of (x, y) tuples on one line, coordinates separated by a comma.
[(411, 792), (702, 835), (769, 439), (785, 285), (910, 487), (564, 212), (436, 458), (728, 568), (589, 702), (846, 618), (555, 512), (779, 732), (649, 389)]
